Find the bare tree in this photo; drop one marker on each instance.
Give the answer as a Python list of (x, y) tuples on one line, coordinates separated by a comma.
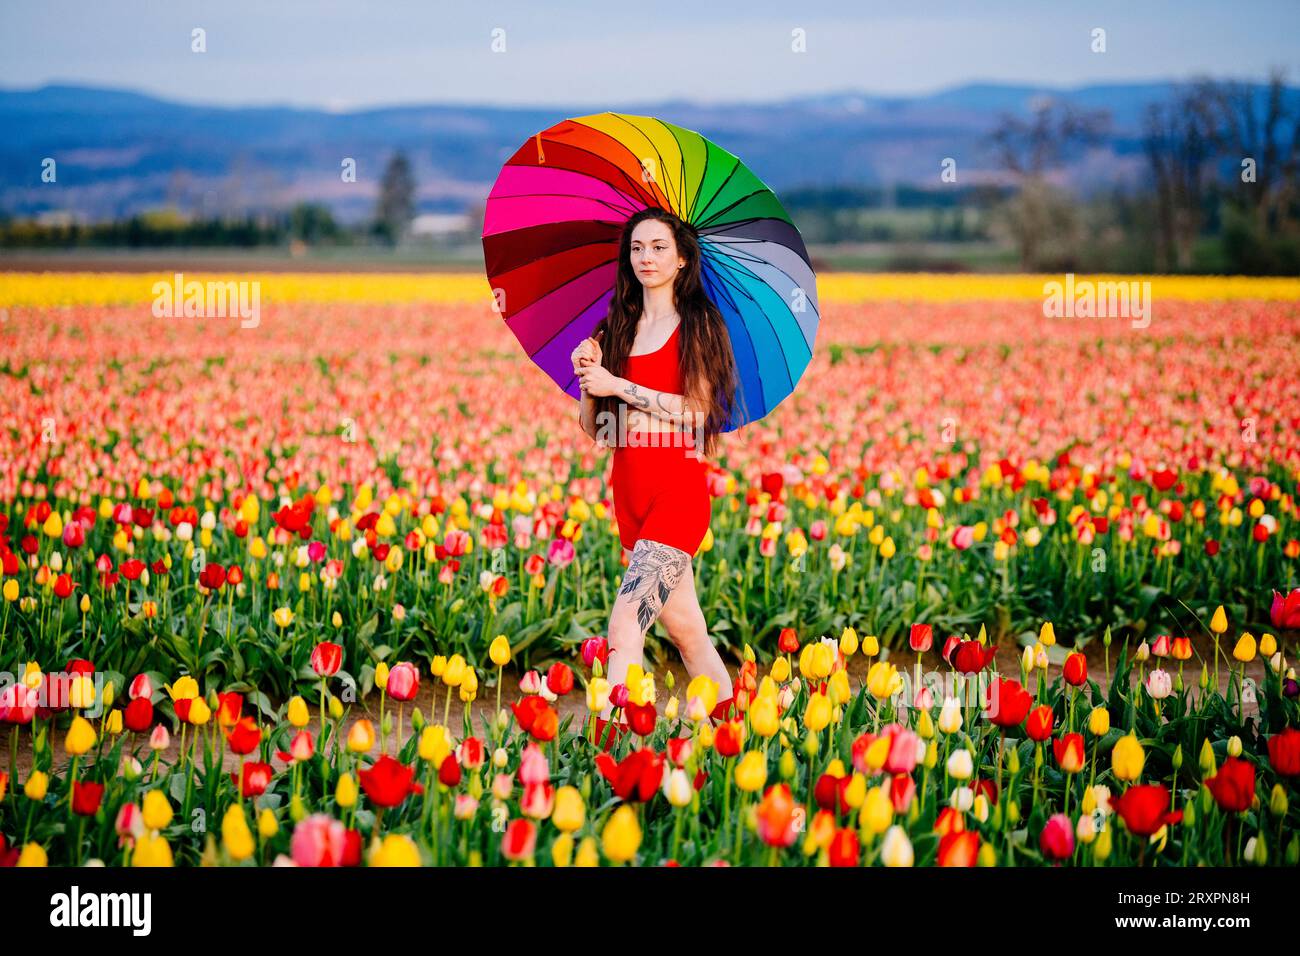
[(1180, 138), (1029, 149), (1255, 131)]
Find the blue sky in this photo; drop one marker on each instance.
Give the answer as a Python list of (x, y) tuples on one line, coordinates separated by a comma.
[(344, 55)]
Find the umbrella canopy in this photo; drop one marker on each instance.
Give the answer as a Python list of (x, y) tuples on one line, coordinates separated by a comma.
[(551, 243)]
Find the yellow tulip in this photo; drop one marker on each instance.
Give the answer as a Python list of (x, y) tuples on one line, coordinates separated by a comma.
[(848, 642), (587, 855), (569, 811), (156, 810), (751, 772), (870, 646), (345, 793), (621, 837), (818, 712), (706, 689), (562, 850), (297, 712), (1128, 757), (200, 712), (235, 835), (33, 855), (267, 825), (185, 688), (764, 716), (1219, 622), (455, 671), (152, 850), (397, 849), (81, 736), (877, 813), (597, 694), (883, 680), (282, 616), (499, 651), (780, 670), (1099, 722), (381, 675), (434, 744), (37, 784), (1245, 649)]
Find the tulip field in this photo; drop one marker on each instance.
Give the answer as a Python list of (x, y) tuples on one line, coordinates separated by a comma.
[(331, 589)]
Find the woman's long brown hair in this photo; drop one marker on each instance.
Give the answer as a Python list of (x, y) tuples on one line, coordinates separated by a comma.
[(708, 364)]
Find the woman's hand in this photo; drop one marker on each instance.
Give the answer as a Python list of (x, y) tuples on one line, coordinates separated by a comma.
[(587, 353), (598, 381)]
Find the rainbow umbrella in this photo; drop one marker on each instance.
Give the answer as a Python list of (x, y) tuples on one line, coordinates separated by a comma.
[(550, 241)]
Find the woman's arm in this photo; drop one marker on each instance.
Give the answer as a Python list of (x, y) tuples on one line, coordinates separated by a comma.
[(587, 414), (683, 410)]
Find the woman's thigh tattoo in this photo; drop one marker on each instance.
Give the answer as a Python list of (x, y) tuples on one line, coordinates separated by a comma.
[(652, 573)]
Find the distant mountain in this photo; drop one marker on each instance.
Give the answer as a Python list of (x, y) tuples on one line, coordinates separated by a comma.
[(120, 152)]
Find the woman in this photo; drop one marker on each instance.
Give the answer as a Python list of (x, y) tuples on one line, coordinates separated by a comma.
[(661, 387)]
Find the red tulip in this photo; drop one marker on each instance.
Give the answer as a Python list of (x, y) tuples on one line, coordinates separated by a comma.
[(1069, 752), (1007, 702), (830, 792), (775, 816), (959, 848), (403, 681), (230, 705), (844, 848), (636, 777), (727, 738), (1144, 808), (138, 715), (244, 736), (520, 839), (1039, 723), (971, 657), (1233, 787), (1057, 838), (921, 638), (537, 718), (257, 777), (449, 771), (679, 750), (387, 781), (642, 718), (593, 648), (326, 657), (471, 753), (86, 797), (1285, 612), (212, 577), (788, 641), (132, 568), (559, 678), (1076, 670), (1284, 752)]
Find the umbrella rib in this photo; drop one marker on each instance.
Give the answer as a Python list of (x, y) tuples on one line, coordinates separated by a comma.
[(658, 155), (739, 246), (725, 273), (681, 166), (537, 259), (704, 175), (605, 159), (556, 333), (742, 199), (749, 335), (717, 192)]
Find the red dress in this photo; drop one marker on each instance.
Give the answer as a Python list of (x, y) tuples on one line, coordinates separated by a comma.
[(659, 484)]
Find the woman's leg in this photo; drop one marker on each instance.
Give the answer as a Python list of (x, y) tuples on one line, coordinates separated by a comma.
[(689, 632), (654, 572)]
